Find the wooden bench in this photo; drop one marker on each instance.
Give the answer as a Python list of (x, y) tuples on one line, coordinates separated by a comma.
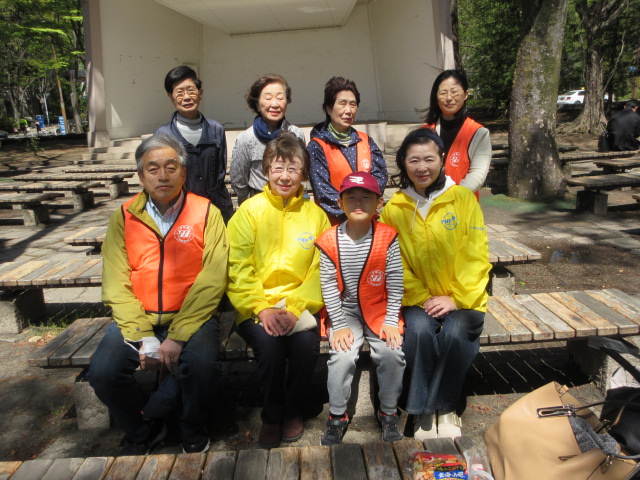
[(34, 212), (347, 461), (592, 196), (114, 181), (90, 236), (79, 192), (103, 169), (618, 165)]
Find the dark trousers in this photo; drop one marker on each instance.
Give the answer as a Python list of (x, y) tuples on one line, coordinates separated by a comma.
[(284, 388), (192, 389), (439, 354)]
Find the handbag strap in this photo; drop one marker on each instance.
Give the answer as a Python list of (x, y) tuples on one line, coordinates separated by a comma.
[(614, 348)]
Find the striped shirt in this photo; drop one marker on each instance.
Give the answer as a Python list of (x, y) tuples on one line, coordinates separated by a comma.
[(165, 222), (353, 255)]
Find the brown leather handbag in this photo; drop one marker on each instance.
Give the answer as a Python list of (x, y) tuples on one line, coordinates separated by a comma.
[(524, 446)]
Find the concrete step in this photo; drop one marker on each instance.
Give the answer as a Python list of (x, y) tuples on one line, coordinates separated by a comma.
[(123, 149), (131, 143), (109, 156)]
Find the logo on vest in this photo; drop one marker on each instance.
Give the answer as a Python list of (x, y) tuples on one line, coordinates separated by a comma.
[(455, 159), (184, 233), (366, 164), (306, 240), (450, 221), (375, 278)]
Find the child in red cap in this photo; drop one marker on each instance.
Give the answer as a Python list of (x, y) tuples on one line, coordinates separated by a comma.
[(361, 279)]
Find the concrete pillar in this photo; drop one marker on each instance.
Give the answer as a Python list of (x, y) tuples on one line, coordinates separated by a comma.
[(18, 308)]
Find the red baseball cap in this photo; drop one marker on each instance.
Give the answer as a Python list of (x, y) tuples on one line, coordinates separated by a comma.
[(360, 180)]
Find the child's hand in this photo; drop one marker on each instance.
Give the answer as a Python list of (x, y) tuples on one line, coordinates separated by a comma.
[(439, 307), (391, 335), (342, 340)]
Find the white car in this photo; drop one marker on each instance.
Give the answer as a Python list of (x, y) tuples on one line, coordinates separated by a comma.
[(572, 97)]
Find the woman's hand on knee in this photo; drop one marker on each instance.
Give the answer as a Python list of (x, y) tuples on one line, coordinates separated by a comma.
[(391, 335), (439, 307), (270, 321), (287, 321)]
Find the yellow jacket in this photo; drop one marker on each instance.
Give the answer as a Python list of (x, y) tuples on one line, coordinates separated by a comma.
[(201, 300), (445, 254), (273, 256)]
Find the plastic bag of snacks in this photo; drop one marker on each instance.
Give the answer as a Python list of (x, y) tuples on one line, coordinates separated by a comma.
[(433, 466)]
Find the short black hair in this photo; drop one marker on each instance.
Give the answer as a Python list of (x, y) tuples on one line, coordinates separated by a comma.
[(178, 74), (333, 87), (633, 103)]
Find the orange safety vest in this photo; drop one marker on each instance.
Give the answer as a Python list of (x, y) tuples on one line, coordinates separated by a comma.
[(163, 269), (337, 163), (372, 287), (457, 163)]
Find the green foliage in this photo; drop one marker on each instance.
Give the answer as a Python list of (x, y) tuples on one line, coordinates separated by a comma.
[(573, 53), (488, 41), (33, 145)]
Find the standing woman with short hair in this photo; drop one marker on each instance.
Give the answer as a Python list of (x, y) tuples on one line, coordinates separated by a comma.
[(467, 146), (268, 98), (337, 149), (445, 254)]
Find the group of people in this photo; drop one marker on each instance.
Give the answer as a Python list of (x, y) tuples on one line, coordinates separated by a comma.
[(410, 279)]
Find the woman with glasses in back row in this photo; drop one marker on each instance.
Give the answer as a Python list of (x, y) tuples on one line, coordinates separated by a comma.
[(467, 146), (274, 286)]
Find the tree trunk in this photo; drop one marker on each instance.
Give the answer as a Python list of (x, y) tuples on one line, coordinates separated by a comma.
[(535, 172), (75, 106)]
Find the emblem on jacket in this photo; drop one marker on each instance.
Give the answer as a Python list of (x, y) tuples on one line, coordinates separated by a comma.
[(366, 164), (455, 159), (184, 233), (306, 240), (450, 221), (375, 278)]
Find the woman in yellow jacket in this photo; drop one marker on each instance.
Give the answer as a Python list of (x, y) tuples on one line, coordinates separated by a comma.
[(274, 283), (444, 250)]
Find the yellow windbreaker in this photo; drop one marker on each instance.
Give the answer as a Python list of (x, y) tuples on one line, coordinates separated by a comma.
[(445, 254), (202, 298), (272, 254)]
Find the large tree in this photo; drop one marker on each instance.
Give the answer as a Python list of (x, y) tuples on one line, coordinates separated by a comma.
[(535, 172), (596, 17)]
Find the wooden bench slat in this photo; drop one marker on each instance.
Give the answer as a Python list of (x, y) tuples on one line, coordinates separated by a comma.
[(74, 276), (219, 465), (539, 330), (497, 248), (625, 326), (493, 332), (42, 272), (616, 304), (187, 466), (605, 182), (404, 450), (628, 299), (45, 277), (516, 254), (82, 234), (283, 464), (530, 253), (581, 326), (8, 468), (84, 355), (56, 278), (7, 278), (92, 276), (23, 271), (125, 468), (32, 469), (251, 464), (347, 462), (62, 356), (315, 463), (7, 266), (561, 330), (41, 358), (63, 468), (156, 467), (94, 467), (515, 329), (380, 461), (604, 326)]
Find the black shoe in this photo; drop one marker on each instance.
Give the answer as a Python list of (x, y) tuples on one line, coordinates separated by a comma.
[(389, 425), (195, 442), (158, 433), (336, 428)]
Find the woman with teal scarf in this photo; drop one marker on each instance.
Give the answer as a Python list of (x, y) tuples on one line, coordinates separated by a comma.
[(268, 97)]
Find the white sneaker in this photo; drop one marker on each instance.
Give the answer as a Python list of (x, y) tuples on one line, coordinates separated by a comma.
[(424, 427), (449, 425)]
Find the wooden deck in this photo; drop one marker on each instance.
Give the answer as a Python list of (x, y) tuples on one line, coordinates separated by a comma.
[(618, 165), (369, 461), (510, 319)]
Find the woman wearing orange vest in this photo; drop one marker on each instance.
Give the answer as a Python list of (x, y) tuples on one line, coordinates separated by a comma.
[(466, 142), (337, 149)]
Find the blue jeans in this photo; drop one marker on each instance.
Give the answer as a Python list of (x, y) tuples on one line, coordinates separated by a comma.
[(439, 354), (192, 389), (284, 384)]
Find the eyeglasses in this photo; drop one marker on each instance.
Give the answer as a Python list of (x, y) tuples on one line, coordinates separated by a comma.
[(455, 94), (190, 92), (279, 170)]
